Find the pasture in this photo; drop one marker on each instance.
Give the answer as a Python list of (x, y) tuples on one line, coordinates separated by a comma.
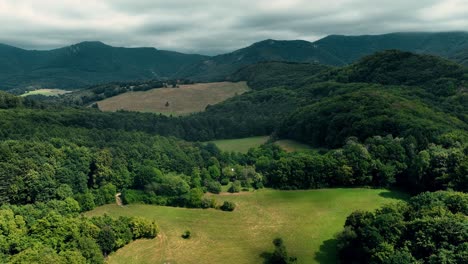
[(174, 101), (46, 92), (306, 220)]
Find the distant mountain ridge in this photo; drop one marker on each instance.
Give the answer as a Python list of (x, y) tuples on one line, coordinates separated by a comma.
[(334, 50), (89, 63)]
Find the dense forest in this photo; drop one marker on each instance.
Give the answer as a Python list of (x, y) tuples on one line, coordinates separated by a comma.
[(393, 120)]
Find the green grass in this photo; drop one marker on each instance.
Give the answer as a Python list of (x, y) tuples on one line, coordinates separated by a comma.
[(306, 220), (46, 92), (244, 144), (240, 145)]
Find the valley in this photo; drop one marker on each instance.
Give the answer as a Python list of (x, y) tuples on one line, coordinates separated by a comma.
[(336, 149)]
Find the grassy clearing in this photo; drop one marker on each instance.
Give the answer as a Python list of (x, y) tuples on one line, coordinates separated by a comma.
[(244, 144), (306, 220), (46, 92), (175, 101), (240, 145)]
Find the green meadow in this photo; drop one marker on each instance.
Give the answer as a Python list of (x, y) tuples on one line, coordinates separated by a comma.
[(46, 92), (241, 144), (306, 220)]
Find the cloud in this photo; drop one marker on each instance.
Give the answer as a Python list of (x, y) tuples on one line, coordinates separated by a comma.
[(210, 27)]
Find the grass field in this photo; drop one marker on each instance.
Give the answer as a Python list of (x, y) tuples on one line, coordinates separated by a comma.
[(180, 101), (46, 92), (306, 220), (241, 145)]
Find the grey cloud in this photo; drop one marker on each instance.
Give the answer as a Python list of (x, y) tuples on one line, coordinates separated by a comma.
[(210, 27)]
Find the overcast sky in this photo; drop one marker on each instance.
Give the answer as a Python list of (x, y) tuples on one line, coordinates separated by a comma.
[(215, 26)]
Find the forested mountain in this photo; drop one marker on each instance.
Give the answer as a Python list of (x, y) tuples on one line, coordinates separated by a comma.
[(332, 50), (351, 48), (216, 68), (94, 62), (87, 63)]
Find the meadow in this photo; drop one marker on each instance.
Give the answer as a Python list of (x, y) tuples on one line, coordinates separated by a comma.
[(46, 92), (243, 145), (175, 101), (306, 220)]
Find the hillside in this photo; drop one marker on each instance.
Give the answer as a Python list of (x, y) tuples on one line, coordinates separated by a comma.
[(185, 99), (86, 63)]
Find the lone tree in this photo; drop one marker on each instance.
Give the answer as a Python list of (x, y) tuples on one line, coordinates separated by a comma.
[(167, 104)]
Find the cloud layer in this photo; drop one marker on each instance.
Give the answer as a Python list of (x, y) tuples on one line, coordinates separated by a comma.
[(210, 27)]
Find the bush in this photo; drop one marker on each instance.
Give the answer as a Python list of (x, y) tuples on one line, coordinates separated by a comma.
[(208, 203), (228, 206), (214, 187), (186, 234), (143, 228), (235, 187)]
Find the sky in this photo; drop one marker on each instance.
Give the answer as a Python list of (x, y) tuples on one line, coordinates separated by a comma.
[(215, 26)]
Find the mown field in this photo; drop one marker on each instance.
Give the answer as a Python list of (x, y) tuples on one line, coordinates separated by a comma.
[(175, 101), (46, 92), (242, 145), (306, 220)]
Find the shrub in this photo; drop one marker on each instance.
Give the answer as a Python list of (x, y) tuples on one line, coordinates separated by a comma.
[(208, 203), (228, 206), (235, 187), (214, 187), (186, 234)]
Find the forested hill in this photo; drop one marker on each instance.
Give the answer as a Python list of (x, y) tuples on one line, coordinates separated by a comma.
[(351, 48), (332, 50), (87, 63), (94, 62)]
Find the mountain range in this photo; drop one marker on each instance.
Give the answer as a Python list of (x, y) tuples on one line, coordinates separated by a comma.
[(89, 63)]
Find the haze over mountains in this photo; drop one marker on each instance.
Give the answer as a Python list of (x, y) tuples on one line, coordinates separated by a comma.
[(88, 63)]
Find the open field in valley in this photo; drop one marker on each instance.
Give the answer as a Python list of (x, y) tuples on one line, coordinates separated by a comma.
[(306, 220)]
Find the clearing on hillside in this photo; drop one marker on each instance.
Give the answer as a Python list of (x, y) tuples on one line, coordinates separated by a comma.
[(306, 220), (241, 145), (174, 101), (46, 92)]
